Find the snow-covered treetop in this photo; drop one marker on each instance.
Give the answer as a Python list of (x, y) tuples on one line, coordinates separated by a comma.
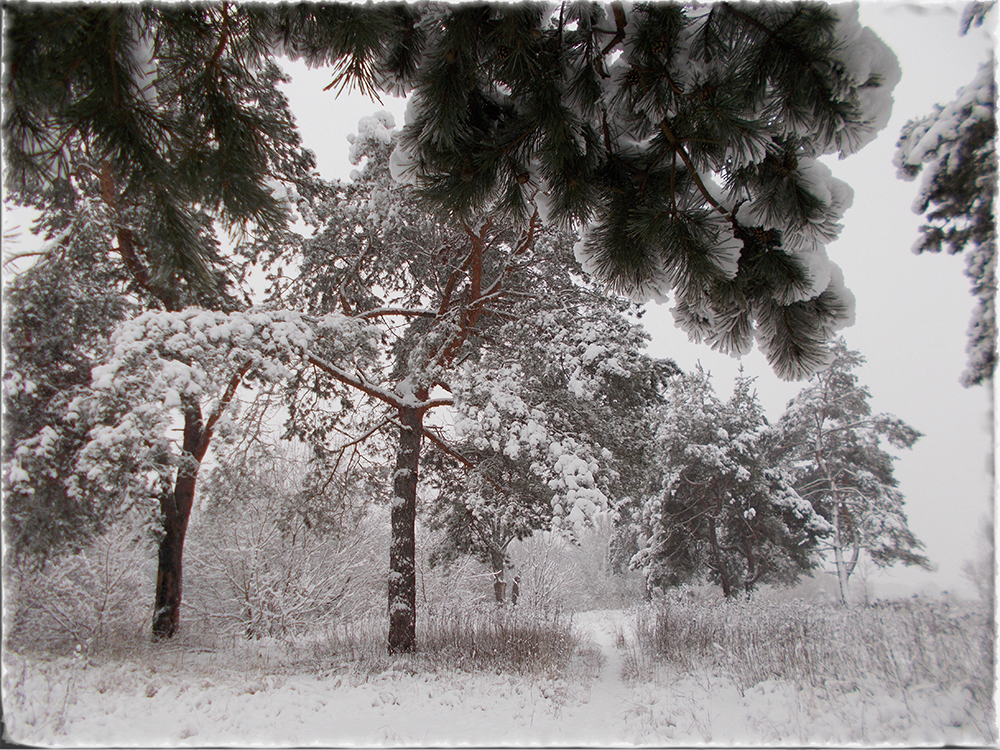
[(682, 140), (163, 364)]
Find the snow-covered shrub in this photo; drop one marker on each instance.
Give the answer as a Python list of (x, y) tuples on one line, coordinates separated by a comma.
[(443, 587), (259, 572), (573, 574), (86, 602)]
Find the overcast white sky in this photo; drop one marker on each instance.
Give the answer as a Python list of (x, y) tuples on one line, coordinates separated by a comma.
[(912, 311)]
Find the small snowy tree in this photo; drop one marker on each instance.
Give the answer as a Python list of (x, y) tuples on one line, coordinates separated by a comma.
[(721, 510), (832, 444), (187, 366), (954, 147)]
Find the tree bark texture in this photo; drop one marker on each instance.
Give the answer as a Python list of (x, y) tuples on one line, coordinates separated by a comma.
[(499, 584), (176, 509), (402, 549)]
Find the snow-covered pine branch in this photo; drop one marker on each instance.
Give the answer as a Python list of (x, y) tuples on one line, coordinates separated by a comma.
[(163, 362), (954, 147)]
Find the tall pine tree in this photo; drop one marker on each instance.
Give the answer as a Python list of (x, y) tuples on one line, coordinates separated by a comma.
[(832, 443)]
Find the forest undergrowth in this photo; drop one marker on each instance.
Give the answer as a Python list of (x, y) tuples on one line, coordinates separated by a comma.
[(81, 624)]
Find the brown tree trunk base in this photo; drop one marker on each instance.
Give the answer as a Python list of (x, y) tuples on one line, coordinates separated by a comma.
[(402, 549)]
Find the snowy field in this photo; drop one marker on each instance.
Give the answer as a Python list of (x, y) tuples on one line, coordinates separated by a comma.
[(609, 693)]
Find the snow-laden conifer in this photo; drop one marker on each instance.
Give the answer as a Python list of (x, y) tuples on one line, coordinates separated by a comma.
[(720, 508), (832, 446), (682, 139), (954, 147)]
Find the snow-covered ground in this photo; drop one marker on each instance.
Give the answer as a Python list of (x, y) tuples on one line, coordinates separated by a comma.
[(189, 699)]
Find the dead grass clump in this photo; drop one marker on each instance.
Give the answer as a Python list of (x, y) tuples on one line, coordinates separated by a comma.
[(471, 638)]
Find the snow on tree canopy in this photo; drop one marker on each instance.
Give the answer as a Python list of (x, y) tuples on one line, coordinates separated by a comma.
[(722, 507), (162, 361), (681, 140), (935, 140), (955, 148)]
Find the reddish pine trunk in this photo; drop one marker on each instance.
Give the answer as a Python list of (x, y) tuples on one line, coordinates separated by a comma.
[(402, 549), (176, 509)]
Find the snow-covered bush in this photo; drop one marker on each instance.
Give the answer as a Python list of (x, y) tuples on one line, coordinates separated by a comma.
[(87, 602), (261, 573), (575, 575)]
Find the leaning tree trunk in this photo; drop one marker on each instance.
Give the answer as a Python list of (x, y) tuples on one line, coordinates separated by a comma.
[(402, 549), (176, 509)]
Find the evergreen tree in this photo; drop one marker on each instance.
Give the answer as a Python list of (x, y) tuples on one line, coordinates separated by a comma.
[(956, 144), (831, 442), (617, 119), (621, 119), (160, 241), (548, 417), (720, 509), (59, 315)]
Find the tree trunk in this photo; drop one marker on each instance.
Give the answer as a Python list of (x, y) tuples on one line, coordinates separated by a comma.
[(855, 548), (720, 563), (402, 549), (166, 617), (753, 571), (499, 584), (838, 553), (176, 509)]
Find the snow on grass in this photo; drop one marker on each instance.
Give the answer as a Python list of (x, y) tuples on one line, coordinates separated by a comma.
[(612, 692)]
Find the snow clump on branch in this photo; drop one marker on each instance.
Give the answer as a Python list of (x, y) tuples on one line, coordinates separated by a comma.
[(165, 362)]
